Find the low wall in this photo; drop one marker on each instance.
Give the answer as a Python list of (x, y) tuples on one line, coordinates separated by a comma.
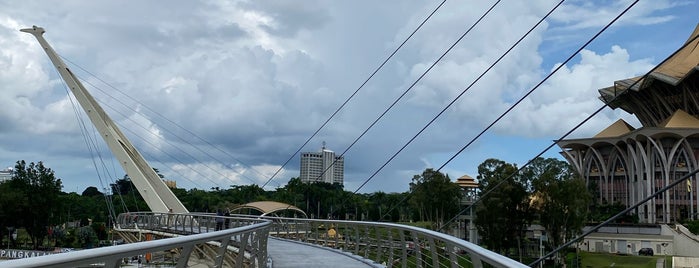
[(685, 262), (629, 240)]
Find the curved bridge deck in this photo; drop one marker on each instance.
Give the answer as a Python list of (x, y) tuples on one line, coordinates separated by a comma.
[(290, 254)]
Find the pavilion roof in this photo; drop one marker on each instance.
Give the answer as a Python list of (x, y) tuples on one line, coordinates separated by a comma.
[(466, 181), (268, 207)]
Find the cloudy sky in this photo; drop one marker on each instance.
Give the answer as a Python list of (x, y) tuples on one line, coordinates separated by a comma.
[(221, 93)]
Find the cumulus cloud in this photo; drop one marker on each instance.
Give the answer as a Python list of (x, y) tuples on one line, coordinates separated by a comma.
[(571, 96), (257, 79)]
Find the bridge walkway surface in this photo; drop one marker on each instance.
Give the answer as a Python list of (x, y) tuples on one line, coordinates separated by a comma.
[(290, 254)]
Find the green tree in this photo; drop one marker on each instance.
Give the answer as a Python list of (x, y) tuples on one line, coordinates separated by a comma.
[(41, 189), (504, 211), (11, 208), (243, 194), (560, 198), (122, 186), (92, 191), (291, 193), (434, 196), (201, 200), (81, 208)]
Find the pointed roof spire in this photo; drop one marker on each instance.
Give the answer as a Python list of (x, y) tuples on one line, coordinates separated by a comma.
[(680, 119), (618, 128)]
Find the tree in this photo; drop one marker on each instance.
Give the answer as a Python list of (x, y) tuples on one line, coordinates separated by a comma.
[(92, 191), (11, 208), (560, 198), (125, 185), (434, 196), (243, 194), (122, 186), (504, 210), (41, 189)]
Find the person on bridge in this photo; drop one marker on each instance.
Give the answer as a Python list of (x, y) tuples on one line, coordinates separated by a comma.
[(228, 219), (219, 219)]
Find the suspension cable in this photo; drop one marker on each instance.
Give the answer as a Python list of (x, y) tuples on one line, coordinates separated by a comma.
[(93, 148), (356, 91), (621, 213), (461, 94), (517, 103), (408, 90), (205, 152), (573, 129)]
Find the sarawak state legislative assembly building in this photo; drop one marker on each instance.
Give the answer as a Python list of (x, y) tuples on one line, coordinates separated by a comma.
[(625, 165)]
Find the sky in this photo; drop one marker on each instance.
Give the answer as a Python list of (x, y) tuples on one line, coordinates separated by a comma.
[(223, 93)]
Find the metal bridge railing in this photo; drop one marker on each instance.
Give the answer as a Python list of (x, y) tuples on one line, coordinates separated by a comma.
[(393, 245), (243, 244)]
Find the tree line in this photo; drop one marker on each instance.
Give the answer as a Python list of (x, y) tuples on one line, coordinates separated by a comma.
[(546, 192)]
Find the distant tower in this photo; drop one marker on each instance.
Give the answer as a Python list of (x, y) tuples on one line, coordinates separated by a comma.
[(466, 229), (313, 164), (6, 174)]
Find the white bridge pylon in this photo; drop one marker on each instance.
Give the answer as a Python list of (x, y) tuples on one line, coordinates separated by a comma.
[(151, 187)]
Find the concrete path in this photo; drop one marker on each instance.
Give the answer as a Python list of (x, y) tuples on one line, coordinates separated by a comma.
[(289, 254)]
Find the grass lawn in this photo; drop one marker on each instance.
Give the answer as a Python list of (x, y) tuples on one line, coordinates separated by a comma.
[(618, 261)]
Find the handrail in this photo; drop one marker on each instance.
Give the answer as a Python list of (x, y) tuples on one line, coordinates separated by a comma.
[(390, 244), (250, 235)]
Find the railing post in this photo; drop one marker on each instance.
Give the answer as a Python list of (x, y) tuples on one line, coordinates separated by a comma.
[(453, 258), (184, 255), (379, 242), (389, 247), (223, 248), (262, 248), (242, 248), (367, 246), (476, 261), (433, 250), (404, 249), (418, 249), (357, 238)]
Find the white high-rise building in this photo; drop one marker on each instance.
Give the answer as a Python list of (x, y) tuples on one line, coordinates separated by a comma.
[(6, 174), (322, 166)]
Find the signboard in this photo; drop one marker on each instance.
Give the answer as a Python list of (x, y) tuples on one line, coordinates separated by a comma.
[(21, 254)]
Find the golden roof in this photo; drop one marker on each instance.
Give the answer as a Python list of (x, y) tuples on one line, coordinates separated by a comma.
[(618, 128), (680, 119), (466, 181), (685, 60)]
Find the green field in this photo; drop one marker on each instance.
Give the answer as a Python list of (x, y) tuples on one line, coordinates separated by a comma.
[(615, 260)]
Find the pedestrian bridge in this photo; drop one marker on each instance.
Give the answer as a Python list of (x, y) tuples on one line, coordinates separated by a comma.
[(184, 239), (195, 240)]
